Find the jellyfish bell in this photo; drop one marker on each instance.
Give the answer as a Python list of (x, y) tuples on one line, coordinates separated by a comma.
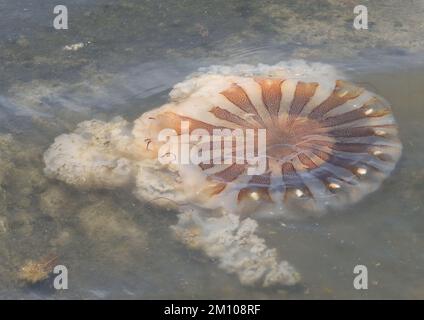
[(328, 142)]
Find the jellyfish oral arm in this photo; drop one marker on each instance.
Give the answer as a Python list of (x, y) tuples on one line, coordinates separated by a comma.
[(236, 246)]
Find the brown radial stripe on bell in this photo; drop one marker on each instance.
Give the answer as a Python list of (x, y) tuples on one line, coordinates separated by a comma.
[(236, 95), (306, 161), (229, 174), (350, 116), (271, 94), (348, 164), (263, 179), (294, 184), (322, 174), (214, 189), (352, 132), (351, 147), (325, 176), (262, 193), (226, 115), (357, 131), (205, 166), (342, 93), (303, 93), (326, 157), (173, 121)]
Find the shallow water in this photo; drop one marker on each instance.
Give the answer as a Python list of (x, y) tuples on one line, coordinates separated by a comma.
[(134, 52)]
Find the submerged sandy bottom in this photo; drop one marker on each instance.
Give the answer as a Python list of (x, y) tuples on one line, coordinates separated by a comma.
[(117, 247)]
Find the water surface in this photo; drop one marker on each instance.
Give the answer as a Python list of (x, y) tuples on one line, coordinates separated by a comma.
[(133, 53)]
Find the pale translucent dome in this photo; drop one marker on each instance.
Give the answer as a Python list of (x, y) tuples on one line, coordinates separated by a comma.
[(329, 142)]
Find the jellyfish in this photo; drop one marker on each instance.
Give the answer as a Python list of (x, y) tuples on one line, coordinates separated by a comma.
[(328, 143)]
